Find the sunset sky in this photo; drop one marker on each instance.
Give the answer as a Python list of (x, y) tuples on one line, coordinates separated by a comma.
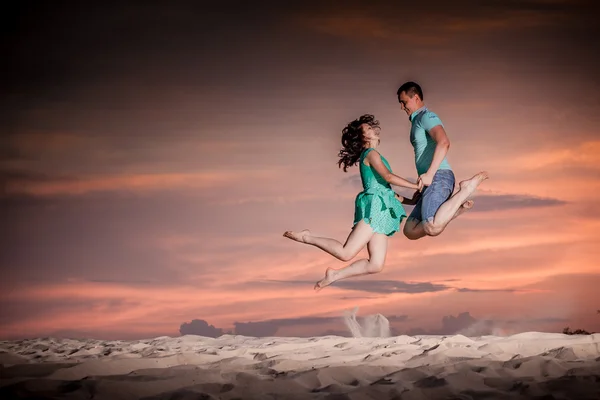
[(152, 156)]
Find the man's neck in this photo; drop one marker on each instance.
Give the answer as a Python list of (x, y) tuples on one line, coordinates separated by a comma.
[(418, 110)]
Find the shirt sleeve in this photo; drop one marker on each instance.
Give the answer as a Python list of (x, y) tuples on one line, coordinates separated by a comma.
[(430, 120)]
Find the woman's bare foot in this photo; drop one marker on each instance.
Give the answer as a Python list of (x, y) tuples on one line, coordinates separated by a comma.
[(297, 236), (470, 185), (328, 280)]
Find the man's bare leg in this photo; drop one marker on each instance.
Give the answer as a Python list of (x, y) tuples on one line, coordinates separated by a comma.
[(356, 241), (377, 248), (413, 229), (447, 211), (464, 207)]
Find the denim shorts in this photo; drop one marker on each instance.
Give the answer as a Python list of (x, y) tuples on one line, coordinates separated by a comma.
[(434, 195)]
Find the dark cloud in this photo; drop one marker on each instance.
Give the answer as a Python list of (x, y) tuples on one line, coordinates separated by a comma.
[(464, 290), (387, 286), (373, 286), (513, 201), (271, 327), (485, 203), (201, 328), (397, 318), (465, 324), (454, 324), (391, 286)]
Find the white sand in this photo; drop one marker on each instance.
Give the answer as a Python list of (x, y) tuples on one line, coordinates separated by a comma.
[(524, 366)]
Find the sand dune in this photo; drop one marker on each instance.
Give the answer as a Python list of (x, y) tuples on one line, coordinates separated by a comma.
[(523, 366)]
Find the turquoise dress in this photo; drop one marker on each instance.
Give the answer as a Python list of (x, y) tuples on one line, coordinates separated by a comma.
[(377, 204)]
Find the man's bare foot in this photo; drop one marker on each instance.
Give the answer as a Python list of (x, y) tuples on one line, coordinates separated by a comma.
[(466, 206), (470, 185), (297, 236), (328, 280)]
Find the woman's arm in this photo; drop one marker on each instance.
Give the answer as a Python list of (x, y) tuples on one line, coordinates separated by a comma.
[(375, 161), (407, 201)]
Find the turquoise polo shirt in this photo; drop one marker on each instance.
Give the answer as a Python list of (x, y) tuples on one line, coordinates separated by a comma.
[(422, 121)]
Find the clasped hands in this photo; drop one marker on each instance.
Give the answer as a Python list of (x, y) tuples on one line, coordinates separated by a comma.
[(424, 180)]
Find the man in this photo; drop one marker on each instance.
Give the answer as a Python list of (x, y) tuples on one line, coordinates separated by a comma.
[(436, 207)]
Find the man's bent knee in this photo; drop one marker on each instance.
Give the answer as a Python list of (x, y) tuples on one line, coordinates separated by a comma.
[(431, 229)]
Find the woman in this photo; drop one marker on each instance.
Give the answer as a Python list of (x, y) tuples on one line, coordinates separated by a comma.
[(378, 209)]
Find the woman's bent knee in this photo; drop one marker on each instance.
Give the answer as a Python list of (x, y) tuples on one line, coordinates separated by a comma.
[(375, 267), (345, 257), (348, 255)]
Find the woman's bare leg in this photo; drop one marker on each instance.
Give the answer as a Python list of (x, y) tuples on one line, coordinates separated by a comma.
[(356, 241), (377, 248)]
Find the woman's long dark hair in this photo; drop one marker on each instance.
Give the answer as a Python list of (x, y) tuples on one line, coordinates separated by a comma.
[(353, 141)]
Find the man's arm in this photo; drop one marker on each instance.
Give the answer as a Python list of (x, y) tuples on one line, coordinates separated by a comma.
[(442, 144), (434, 127)]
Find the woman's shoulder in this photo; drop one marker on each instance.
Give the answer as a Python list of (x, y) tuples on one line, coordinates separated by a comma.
[(365, 153)]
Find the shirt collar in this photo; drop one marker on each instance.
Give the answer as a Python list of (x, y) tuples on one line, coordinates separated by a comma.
[(414, 114)]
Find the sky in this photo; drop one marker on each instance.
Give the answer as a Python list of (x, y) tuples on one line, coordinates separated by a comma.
[(152, 155)]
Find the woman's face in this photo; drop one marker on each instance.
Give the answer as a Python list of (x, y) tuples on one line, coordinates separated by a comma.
[(370, 133)]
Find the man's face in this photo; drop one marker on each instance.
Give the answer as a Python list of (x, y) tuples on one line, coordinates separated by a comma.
[(408, 104)]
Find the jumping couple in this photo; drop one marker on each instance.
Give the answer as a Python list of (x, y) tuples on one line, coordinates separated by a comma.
[(378, 209)]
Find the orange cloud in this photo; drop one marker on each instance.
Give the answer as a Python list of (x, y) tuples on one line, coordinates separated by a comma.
[(436, 30), (136, 182), (585, 155)]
